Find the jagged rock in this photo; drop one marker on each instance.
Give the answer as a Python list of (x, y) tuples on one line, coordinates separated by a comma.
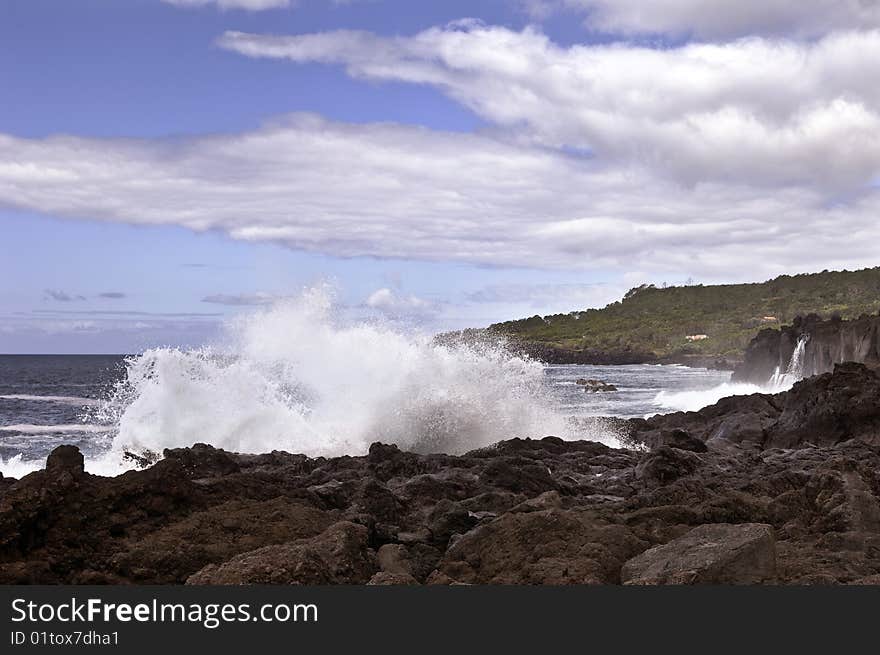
[(380, 502), (202, 460), (551, 547), (171, 554), (547, 500), (664, 464), (339, 555), (394, 559), (675, 438), (449, 518), (519, 474), (65, 460), (595, 386), (384, 578), (709, 554), (830, 408), (682, 440)]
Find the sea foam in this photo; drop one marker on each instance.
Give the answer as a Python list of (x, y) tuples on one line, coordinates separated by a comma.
[(292, 377), (691, 401)]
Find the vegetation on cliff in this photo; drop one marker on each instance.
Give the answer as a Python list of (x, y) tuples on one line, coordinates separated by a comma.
[(701, 321)]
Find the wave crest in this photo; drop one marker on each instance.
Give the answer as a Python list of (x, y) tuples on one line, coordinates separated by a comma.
[(290, 378)]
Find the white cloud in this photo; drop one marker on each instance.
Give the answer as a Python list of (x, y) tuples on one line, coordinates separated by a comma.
[(404, 192), (757, 111), (392, 302), (721, 18), (249, 5)]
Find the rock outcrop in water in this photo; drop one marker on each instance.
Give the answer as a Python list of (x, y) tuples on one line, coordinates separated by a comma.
[(781, 489), (825, 343)]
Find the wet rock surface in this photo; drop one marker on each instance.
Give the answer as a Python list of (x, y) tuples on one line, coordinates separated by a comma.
[(781, 489)]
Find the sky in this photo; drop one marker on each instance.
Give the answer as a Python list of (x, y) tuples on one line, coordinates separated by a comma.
[(168, 164)]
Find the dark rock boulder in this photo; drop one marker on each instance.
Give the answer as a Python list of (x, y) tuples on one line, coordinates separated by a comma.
[(202, 461), (664, 465), (830, 408), (735, 419), (339, 555), (65, 461), (595, 386), (518, 474), (448, 518), (551, 547), (394, 559), (212, 536), (709, 554), (672, 437), (383, 579)]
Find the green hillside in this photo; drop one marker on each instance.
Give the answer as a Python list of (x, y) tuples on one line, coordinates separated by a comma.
[(658, 321)]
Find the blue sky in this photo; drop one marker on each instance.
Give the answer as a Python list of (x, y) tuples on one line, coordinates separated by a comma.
[(164, 166)]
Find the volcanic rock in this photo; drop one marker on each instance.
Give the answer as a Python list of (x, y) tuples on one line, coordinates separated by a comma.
[(709, 554), (65, 460), (339, 555)]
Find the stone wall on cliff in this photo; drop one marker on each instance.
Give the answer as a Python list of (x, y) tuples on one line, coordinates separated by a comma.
[(826, 343)]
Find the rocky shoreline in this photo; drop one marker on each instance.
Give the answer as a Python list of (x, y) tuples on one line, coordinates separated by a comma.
[(770, 489)]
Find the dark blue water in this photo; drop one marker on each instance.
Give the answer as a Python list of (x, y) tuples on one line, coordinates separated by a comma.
[(47, 400)]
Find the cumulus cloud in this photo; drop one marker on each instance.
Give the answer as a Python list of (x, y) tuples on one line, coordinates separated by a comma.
[(718, 19), (756, 111), (112, 295), (387, 299), (240, 299), (403, 192), (397, 304), (249, 5)]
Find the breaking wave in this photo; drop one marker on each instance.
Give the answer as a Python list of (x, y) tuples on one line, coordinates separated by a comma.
[(291, 378), (691, 401)]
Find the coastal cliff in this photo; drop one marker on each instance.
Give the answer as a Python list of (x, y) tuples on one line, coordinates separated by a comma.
[(692, 324), (813, 345)]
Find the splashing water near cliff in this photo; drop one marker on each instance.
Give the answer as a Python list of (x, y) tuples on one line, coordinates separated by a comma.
[(794, 371), (691, 401), (289, 378)]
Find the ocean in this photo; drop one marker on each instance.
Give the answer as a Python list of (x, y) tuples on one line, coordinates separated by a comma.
[(47, 400)]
